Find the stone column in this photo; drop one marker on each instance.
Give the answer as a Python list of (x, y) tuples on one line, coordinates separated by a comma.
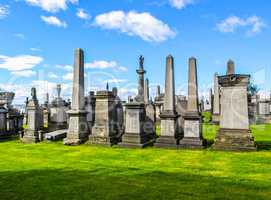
[(140, 72), (168, 135), (78, 127), (216, 104), (3, 120), (234, 132), (31, 133), (192, 119), (230, 67), (146, 92), (158, 91)]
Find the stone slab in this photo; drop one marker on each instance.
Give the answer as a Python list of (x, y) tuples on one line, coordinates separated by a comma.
[(56, 135)]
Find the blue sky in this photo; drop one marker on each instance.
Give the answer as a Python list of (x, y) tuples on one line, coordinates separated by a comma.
[(38, 38)]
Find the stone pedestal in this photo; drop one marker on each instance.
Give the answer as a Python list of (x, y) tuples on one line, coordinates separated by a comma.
[(104, 130), (234, 133), (78, 128), (136, 135), (192, 132), (168, 137), (31, 133)]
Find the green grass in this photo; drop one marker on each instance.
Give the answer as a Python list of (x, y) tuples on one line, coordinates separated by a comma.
[(55, 171)]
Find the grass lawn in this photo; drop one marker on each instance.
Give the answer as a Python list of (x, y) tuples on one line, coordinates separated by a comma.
[(55, 171)]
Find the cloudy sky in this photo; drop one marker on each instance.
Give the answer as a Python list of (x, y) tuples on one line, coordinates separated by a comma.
[(38, 38)]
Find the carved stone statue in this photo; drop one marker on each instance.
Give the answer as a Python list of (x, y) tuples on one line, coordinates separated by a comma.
[(33, 93), (141, 61)]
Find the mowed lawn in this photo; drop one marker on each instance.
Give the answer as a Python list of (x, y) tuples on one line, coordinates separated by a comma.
[(55, 171)]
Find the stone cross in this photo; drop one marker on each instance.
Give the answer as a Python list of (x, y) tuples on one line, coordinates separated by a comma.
[(230, 67)]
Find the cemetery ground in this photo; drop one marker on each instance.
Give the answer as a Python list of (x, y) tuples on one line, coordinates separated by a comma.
[(56, 171)]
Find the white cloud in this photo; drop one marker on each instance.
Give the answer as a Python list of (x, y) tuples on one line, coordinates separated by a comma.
[(35, 49), (144, 25), (101, 64), (180, 4), (19, 35), (81, 13), (68, 77), (52, 20), (65, 67), (4, 11), (18, 63), (116, 81), (51, 5), (253, 23), (24, 73), (52, 75)]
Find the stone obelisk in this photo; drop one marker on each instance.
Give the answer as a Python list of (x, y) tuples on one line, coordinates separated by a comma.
[(146, 92), (78, 127), (192, 119), (216, 104), (168, 135)]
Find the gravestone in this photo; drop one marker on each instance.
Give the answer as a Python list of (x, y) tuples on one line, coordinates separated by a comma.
[(135, 134), (234, 132), (192, 120), (158, 103), (90, 108), (31, 133), (78, 128), (104, 130), (169, 128), (216, 107)]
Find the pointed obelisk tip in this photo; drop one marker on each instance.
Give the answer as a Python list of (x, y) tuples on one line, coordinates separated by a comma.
[(107, 86), (192, 58)]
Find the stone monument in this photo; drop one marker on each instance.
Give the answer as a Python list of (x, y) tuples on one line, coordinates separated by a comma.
[(104, 130), (192, 120), (78, 128), (31, 133), (234, 132), (216, 106), (168, 135)]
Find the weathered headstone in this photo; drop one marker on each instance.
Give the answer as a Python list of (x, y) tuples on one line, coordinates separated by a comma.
[(78, 127), (192, 120), (31, 133), (234, 132), (216, 106), (168, 135), (104, 130)]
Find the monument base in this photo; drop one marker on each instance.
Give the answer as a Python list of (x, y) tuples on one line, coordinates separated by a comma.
[(78, 128), (100, 140), (30, 136), (234, 140), (216, 119), (192, 143), (135, 140), (166, 142)]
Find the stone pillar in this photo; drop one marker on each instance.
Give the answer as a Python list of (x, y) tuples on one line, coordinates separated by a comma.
[(146, 92), (158, 91), (140, 72), (78, 128), (216, 104), (192, 119), (31, 133), (168, 135), (234, 132), (104, 130), (230, 67), (90, 108), (3, 120)]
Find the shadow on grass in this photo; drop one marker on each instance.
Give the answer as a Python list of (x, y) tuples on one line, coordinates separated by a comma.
[(126, 183), (263, 145)]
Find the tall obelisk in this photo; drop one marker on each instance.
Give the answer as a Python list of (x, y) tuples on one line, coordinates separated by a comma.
[(78, 127), (192, 119), (168, 135)]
